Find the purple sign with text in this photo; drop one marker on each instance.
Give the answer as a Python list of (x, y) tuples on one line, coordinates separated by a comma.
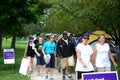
[(100, 76), (9, 56)]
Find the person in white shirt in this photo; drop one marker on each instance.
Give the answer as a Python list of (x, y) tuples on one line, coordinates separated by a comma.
[(84, 53), (102, 55)]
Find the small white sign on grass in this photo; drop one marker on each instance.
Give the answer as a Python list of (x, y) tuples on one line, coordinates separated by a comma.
[(9, 57)]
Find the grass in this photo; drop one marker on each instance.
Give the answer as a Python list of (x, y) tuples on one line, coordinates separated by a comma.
[(11, 71)]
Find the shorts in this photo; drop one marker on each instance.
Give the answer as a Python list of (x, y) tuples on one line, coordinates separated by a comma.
[(79, 74), (51, 64), (40, 61), (69, 61), (103, 69), (32, 54)]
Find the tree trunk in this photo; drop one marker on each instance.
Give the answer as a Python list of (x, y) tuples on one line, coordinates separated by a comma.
[(13, 41), (0, 43)]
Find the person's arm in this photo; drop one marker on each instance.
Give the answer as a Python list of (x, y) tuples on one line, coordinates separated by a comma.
[(112, 59), (25, 53), (93, 57), (35, 50), (43, 52), (59, 46), (38, 54), (43, 47), (80, 59), (55, 50)]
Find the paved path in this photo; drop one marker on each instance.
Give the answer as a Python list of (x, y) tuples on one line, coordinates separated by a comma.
[(57, 75)]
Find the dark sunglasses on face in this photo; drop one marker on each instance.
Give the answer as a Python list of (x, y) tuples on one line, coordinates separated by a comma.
[(85, 38), (52, 37), (30, 40)]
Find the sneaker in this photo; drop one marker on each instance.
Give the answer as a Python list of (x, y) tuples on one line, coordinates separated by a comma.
[(46, 77), (51, 79), (30, 71), (59, 70), (70, 77), (41, 75), (38, 73), (63, 78)]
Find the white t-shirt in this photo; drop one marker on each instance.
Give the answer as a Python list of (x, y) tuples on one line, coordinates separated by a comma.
[(86, 52), (65, 40), (102, 57)]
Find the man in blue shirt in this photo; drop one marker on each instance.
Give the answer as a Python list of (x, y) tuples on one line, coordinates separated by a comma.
[(49, 47)]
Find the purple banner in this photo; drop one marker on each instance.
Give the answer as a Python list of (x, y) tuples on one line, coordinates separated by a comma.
[(100, 76), (9, 55)]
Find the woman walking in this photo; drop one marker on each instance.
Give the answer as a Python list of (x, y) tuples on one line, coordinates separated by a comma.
[(102, 55), (29, 52), (84, 53)]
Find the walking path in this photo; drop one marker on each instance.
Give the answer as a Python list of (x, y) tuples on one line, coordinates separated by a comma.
[(57, 75)]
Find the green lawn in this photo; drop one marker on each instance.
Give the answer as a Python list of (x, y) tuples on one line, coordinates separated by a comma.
[(11, 71)]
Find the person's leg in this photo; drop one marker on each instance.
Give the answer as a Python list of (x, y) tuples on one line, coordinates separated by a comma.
[(32, 60), (38, 70), (70, 73), (59, 65), (79, 75), (38, 65), (41, 64), (30, 65), (71, 63), (63, 66), (47, 72), (56, 63), (64, 71), (52, 66), (51, 73), (70, 69)]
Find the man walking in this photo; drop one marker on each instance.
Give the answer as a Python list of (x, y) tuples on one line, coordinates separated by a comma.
[(66, 51)]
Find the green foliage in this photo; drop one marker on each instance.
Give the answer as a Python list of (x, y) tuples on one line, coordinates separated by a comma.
[(15, 13), (79, 16)]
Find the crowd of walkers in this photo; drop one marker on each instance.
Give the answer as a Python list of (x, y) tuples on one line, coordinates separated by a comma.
[(65, 53)]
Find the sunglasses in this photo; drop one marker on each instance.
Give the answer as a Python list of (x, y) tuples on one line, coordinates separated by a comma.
[(85, 38), (52, 37)]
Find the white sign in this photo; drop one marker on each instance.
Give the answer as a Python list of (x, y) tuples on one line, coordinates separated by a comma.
[(9, 56), (24, 66)]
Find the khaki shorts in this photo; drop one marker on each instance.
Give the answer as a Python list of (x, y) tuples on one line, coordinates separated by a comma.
[(103, 69), (69, 61)]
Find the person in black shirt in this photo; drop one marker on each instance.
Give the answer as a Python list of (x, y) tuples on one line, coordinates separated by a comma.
[(40, 59), (66, 51), (37, 39), (29, 52)]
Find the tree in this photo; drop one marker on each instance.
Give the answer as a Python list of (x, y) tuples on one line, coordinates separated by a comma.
[(15, 13), (85, 16)]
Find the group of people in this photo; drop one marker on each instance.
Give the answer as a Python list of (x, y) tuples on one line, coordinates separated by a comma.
[(89, 60), (67, 50)]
